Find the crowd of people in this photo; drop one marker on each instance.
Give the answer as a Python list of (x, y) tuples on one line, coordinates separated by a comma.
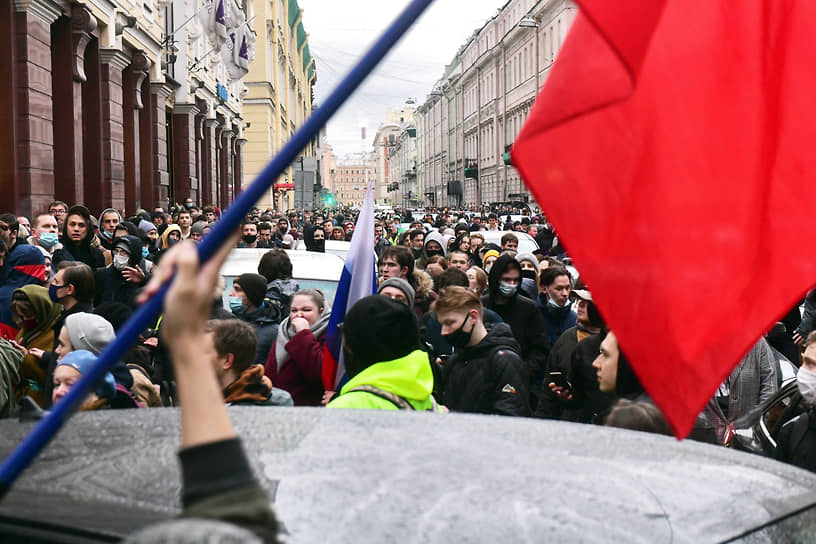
[(459, 323)]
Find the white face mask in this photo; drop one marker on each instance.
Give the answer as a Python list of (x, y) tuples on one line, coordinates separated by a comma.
[(120, 262), (806, 382)]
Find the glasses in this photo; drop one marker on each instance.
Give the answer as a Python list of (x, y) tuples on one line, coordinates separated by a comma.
[(57, 212)]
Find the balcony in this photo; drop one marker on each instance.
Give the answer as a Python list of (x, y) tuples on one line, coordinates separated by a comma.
[(471, 169)]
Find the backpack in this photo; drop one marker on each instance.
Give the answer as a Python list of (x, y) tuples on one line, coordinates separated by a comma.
[(400, 402)]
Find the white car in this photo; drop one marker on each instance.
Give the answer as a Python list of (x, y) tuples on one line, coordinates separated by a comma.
[(311, 270), (333, 247), (527, 243)]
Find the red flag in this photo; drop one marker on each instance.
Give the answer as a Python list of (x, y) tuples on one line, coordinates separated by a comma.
[(671, 147)]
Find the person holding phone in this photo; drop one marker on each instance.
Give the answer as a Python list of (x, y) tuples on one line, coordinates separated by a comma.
[(121, 280)]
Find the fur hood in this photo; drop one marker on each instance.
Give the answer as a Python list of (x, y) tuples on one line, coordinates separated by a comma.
[(422, 283)]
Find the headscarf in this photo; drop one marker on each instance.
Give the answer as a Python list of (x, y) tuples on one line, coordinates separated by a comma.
[(45, 310)]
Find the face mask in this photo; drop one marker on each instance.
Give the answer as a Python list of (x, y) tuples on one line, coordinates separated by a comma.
[(250, 238), (507, 289), (530, 274), (806, 383), (459, 338), (120, 262), (171, 242), (107, 235), (236, 304), (488, 268), (434, 252), (30, 324), (52, 292), (554, 304), (319, 245), (48, 239), (145, 253)]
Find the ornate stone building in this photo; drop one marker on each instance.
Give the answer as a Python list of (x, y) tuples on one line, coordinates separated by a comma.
[(117, 103), (471, 118)]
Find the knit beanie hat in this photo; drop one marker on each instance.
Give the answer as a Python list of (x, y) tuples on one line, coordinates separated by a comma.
[(198, 227), (403, 286), (82, 361), (378, 329), (89, 332), (146, 226), (254, 285), (530, 258), (490, 253)]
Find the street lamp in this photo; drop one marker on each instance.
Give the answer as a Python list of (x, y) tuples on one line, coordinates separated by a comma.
[(528, 22)]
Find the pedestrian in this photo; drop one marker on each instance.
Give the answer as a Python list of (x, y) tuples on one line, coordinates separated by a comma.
[(78, 240), (381, 348), (296, 359), (21, 265), (276, 267), (70, 369), (248, 303), (485, 374)]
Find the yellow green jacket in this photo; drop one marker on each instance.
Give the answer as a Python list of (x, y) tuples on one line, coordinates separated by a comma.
[(409, 377)]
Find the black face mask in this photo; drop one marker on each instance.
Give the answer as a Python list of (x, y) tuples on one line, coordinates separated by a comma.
[(319, 245), (459, 338), (249, 238), (417, 252), (528, 274), (433, 252)]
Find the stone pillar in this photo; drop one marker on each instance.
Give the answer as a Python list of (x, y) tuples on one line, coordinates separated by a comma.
[(70, 38), (160, 161), (92, 130), (33, 179), (112, 62), (132, 104), (226, 163), (147, 195), (184, 155), (198, 131), (238, 166), (210, 165)]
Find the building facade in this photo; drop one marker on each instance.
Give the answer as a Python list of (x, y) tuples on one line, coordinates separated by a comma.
[(402, 165), (351, 178), (471, 118), (116, 103), (279, 95)]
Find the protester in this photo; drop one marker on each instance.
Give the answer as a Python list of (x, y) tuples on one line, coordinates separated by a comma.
[(248, 303), (21, 265), (70, 369), (276, 267), (796, 441), (386, 367), (78, 240), (296, 359), (554, 290), (125, 276)]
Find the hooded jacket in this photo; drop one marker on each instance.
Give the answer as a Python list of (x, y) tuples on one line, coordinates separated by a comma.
[(524, 318), (424, 294), (166, 234), (107, 243), (410, 377), (488, 378), (279, 294), (81, 251), (111, 286), (433, 236), (33, 371), (24, 265)]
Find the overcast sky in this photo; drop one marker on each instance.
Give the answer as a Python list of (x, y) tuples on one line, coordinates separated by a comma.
[(340, 32)]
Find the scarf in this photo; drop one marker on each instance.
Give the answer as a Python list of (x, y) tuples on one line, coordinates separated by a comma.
[(286, 332), (251, 385), (45, 310)]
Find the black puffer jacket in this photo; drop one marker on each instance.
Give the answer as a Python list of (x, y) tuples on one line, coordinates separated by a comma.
[(265, 321), (796, 443), (488, 378)]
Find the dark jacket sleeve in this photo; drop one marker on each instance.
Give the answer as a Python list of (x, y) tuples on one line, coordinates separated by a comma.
[(306, 352), (539, 346), (806, 325), (218, 484), (510, 396)]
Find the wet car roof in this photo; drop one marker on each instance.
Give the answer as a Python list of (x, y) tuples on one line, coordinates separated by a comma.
[(387, 476)]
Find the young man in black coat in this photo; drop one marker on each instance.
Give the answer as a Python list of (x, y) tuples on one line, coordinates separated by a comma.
[(485, 374), (796, 443), (521, 313)]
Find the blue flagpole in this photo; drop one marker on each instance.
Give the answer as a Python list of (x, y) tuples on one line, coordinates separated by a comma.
[(48, 427)]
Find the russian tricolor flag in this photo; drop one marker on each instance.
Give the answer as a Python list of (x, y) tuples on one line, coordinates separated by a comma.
[(359, 279)]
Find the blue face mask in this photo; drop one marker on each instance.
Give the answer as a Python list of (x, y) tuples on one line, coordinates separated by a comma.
[(145, 253), (48, 239), (107, 235), (554, 304), (507, 289), (236, 304)]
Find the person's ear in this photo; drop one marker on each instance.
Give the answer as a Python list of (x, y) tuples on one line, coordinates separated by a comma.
[(229, 362)]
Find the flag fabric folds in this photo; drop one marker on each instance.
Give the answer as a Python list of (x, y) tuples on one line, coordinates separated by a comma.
[(670, 148), (358, 280)]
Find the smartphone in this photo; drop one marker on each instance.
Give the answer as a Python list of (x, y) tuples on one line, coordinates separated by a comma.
[(558, 378)]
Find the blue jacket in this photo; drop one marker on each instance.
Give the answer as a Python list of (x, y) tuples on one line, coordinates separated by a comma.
[(24, 264)]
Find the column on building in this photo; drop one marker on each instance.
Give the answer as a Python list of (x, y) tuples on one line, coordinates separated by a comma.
[(160, 160), (210, 161), (132, 107), (112, 190), (238, 165), (226, 165), (27, 178), (70, 37), (200, 171), (185, 181)]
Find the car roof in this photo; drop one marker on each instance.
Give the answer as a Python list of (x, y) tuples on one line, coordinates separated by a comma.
[(332, 247), (305, 264), (527, 243), (362, 475)]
